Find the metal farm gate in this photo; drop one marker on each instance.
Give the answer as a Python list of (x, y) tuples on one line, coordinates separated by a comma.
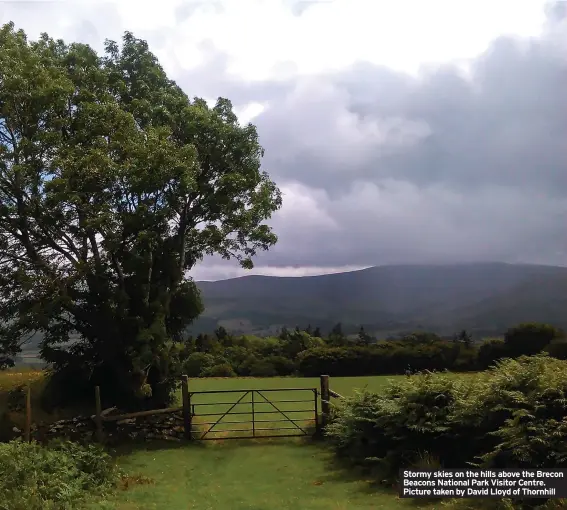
[(253, 413)]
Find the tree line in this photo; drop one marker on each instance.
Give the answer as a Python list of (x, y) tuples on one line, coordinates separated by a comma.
[(308, 353)]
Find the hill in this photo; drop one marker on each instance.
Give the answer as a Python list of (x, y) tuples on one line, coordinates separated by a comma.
[(484, 297)]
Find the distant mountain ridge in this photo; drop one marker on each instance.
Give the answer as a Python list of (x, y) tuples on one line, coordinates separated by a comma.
[(483, 297)]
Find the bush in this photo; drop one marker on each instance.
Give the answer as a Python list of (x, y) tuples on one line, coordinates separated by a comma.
[(519, 414), (392, 428), (557, 349), (491, 351), (530, 338), (282, 365), (513, 416), (17, 398), (263, 368), (220, 370), (56, 477), (391, 357), (198, 362)]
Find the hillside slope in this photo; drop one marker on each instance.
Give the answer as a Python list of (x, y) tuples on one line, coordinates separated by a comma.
[(485, 297)]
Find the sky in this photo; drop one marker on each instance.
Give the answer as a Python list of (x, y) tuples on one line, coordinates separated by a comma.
[(399, 132)]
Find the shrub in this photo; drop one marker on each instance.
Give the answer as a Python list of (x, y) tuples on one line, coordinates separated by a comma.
[(392, 429), (244, 369), (282, 365), (220, 370), (391, 357), (530, 338), (491, 351), (557, 349), (17, 398), (263, 368), (513, 416), (519, 414), (197, 362), (56, 477)]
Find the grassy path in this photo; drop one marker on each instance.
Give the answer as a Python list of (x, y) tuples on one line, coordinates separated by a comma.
[(259, 475)]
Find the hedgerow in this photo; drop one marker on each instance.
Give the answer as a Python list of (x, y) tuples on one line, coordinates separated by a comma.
[(513, 416)]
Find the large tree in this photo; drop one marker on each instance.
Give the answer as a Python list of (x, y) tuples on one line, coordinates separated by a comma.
[(113, 184)]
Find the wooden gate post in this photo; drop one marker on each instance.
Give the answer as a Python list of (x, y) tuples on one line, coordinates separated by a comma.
[(186, 407), (27, 431), (325, 398), (98, 416)]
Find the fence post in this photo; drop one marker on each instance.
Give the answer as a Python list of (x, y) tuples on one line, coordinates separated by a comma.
[(98, 415), (325, 398), (186, 406), (27, 431)]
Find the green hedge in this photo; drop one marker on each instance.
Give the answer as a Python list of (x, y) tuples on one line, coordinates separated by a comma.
[(513, 416)]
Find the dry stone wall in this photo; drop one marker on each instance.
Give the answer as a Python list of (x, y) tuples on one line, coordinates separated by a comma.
[(82, 429)]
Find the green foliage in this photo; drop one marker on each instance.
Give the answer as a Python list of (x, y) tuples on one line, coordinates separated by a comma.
[(336, 336), (557, 349), (411, 416), (197, 363), (521, 406), (530, 338), (297, 352), (282, 365), (57, 477), (491, 351), (263, 368), (383, 358), (114, 184), (220, 370), (513, 416)]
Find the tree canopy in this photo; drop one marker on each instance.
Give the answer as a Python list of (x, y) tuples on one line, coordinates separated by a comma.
[(113, 184)]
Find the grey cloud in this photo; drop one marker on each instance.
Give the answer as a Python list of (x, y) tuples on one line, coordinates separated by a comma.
[(298, 7), (556, 11), (450, 166), (504, 125), (189, 8), (401, 223)]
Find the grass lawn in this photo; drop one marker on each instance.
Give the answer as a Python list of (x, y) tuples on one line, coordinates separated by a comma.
[(260, 475)]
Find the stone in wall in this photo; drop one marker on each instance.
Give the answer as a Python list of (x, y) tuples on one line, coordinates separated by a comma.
[(82, 429)]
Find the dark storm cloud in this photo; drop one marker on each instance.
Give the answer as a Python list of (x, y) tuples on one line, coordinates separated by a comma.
[(457, 164), (503, 124), (448, 166)]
